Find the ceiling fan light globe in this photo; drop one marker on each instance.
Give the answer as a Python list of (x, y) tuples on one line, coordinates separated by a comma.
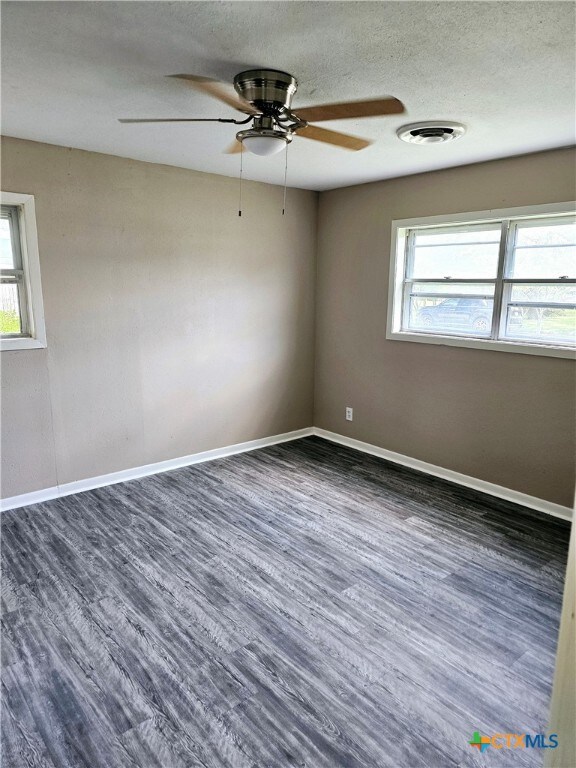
[(264, 145)]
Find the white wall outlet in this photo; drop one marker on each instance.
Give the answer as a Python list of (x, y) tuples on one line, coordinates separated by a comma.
[(349, 414)]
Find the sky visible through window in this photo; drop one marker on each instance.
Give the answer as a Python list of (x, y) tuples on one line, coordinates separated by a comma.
[(548, 251), (464, 255), (540, 252), (6, 256)]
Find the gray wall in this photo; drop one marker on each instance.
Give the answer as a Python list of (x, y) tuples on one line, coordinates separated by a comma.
[(174, 326), (501, 417)]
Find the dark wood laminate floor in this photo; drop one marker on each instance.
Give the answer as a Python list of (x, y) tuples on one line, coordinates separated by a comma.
[(301, 605)]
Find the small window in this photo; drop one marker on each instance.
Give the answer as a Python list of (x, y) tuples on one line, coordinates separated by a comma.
[(504, 283), (13, 301), (21, 310)]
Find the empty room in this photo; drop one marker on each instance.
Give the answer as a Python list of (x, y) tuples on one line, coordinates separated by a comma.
[(288, 384)]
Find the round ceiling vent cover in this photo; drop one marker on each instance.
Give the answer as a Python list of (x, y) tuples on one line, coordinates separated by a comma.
[(431, 132)]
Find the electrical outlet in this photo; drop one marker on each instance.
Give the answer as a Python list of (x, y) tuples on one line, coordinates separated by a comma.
[(349, 414)]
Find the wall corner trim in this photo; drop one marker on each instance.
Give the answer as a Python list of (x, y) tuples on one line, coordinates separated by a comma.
[(516, 497), (67, 489)]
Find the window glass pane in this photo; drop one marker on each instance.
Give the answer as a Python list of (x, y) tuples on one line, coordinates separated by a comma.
[(547, 325), (547, 294), (552, 262), (448, 288), (463, 315), (6, 255), (9, 309), (463, 254), (551, 233), (544, 250), (473, 234)]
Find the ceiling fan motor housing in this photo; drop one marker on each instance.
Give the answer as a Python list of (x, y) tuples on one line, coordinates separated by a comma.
[(269, 90)]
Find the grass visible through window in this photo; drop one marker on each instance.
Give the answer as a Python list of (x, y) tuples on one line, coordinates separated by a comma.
[(9, 322)]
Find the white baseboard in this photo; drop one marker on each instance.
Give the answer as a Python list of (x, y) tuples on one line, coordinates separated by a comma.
[(90, 483), (66, 489), (556, 510)]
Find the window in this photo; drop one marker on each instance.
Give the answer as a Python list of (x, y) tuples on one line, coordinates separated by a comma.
[(21, 310), (502, 280)]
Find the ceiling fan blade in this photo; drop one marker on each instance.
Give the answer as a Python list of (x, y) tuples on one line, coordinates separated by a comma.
[(235, 148), (219, 91), (349, 109), (344, 140), (172, 120)]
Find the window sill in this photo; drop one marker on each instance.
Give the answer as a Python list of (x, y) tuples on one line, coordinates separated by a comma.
[(10, 345), (488, 344)]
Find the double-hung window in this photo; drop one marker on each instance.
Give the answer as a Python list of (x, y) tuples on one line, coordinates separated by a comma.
[(502, 280), (21, 309)]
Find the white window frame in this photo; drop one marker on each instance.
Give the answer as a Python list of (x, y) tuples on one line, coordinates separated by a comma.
[(400, 227), (31, 266)]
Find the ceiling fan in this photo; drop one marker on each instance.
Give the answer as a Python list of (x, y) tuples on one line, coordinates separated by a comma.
[(265, 95)]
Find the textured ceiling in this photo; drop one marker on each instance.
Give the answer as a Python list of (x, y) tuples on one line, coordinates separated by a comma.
[(505, 69)]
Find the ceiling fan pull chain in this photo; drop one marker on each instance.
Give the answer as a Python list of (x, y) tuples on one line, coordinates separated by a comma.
[(241, 167), (285, 177)]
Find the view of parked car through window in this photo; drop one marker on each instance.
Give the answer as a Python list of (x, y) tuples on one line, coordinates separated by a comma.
[(462, 314)]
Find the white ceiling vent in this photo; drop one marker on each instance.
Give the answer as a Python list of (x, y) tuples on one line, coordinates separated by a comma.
[(431, 132)]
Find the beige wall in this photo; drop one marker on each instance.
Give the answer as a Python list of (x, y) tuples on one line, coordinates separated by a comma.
[(174, 326), (501, 417)]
